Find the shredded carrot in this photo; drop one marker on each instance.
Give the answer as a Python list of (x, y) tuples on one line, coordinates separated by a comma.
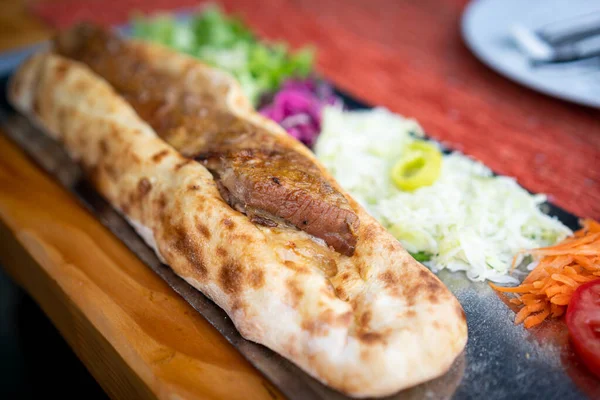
[(529, 298), (558, 289), (589, 225), (536, 319), (564, 279), (517, 289), (561, 299), (561, 269), (539, 284), (522, 314), (557, 310)]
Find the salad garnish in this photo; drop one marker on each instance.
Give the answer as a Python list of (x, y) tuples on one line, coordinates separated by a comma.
[(226, 42), (419, 166), (583, 321), (298, 106), (558, 271), (460, 218), (448, 211)]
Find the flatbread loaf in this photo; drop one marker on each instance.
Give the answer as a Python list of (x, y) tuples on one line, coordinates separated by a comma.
[(367, 325)]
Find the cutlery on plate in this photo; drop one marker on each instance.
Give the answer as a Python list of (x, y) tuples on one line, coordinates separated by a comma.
[(567, 40)]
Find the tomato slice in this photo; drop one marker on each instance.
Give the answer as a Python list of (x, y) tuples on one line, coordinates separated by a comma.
[(583, 321)]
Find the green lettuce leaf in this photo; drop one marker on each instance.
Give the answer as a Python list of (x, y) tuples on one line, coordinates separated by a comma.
[(226, 42)]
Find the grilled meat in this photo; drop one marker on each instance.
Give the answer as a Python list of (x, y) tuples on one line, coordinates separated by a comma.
[(255, 172), (271, 183)]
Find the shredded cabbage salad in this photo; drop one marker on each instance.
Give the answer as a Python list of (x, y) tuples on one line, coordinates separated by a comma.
[(226, 42), (467, 220)]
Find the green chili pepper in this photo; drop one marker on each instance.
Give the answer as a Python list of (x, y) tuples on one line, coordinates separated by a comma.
[(420, 166)]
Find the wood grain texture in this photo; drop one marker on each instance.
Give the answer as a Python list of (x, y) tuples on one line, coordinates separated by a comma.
[(136, 336)]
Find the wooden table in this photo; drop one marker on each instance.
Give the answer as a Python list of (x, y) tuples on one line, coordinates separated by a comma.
[(135, 335)]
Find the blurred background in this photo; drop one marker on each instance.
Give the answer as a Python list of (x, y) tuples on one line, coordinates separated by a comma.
[(410, 56)]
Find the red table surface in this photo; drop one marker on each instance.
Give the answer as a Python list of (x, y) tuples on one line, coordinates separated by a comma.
[(409, 57)]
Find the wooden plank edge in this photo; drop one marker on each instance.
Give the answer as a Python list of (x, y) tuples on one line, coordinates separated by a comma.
[(137, 337)]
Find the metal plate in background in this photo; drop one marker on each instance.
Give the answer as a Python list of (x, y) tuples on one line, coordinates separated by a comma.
[(486, 28), (501, 361)]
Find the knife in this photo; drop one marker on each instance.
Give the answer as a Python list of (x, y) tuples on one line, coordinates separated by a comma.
[(539, 50)]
